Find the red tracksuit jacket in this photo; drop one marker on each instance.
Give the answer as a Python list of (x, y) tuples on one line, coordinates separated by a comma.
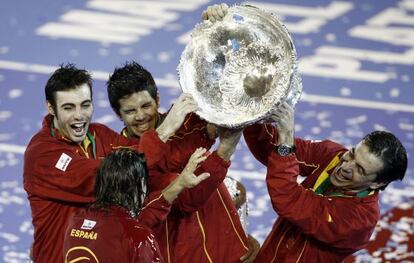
[(59, 178), (310, 227), (113, 235), (203, 225)]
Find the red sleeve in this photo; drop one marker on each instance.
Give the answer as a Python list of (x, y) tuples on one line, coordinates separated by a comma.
[(261, 139), (146, 250), (191, 135), (74, 182), (155, 210), (154, 149), (190, 200), (340, 222), (314, 154), (149, 144)]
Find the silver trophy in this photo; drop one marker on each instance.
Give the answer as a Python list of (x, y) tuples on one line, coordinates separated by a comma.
[(240, 69)]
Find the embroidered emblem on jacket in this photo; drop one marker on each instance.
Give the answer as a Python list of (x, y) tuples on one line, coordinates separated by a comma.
[(63, 162)]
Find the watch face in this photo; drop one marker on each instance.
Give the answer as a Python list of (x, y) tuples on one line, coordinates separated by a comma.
[(284, 150)]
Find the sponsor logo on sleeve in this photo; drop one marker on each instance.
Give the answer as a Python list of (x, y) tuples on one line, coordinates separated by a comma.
[(63, 162)]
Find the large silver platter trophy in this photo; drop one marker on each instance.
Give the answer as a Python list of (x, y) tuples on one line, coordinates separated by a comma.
[(239, 69)]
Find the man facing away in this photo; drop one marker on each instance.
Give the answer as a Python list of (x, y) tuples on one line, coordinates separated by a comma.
[(116, 227)]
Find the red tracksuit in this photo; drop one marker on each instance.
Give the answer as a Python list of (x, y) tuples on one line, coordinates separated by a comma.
[(311, 227), (203, 225), (113, 235), (59, 178)]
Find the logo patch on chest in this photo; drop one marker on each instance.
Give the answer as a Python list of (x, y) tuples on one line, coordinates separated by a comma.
[(88, 224), (63, 162)]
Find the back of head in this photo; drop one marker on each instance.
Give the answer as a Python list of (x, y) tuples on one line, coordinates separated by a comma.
[(393, 154), (129, 79), (122, 180), (66, 77)]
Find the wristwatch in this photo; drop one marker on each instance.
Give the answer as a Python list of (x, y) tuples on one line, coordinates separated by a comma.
[(284, 149)]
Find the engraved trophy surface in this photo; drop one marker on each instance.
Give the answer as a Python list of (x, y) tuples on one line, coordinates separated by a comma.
[(239, 69)]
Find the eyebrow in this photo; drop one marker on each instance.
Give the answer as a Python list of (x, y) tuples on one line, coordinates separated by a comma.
[(359, 165), (73, 104), (67, 104)]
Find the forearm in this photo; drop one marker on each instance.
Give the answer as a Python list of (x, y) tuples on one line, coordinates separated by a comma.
[(154, 148), (172, 191), (164, 133), (155, 210), (261, 139)]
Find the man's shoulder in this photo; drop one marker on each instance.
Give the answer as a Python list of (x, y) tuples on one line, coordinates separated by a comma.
[(133, 227), (99, 126), (326, 149), (40, 141), (100, 129)]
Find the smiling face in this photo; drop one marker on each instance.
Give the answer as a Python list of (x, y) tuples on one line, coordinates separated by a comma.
[(358, 170), (73, 112), (139, 112)]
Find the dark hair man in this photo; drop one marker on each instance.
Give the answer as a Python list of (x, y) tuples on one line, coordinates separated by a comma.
[(333, 212), (192, 231), (61, 160), (116, 227)]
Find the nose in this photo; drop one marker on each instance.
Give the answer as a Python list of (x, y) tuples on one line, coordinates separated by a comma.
[(346, 166), (140, 115), (78, 113), (346, 163)]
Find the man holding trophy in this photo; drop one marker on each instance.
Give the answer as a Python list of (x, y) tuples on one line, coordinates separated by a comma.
[(203, 225), (333, 212)]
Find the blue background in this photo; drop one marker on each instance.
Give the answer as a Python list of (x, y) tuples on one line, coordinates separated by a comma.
[(342, 108)]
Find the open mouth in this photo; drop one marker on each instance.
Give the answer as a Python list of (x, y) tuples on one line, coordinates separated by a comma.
[(341, 177), (78, 128)]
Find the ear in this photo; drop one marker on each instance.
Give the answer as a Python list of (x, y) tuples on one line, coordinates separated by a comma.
[(377, 185), (49, 108)]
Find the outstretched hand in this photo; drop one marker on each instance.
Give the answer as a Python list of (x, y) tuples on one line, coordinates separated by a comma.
[(187, 178), (215, 12), (175, 118)]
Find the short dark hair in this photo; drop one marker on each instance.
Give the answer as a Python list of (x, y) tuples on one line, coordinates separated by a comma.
[(127, 80), (393, 154), (120, 180), (66, 77)]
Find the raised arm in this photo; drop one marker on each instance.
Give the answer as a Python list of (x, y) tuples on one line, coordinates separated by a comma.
[(216, 164), (335, 221)]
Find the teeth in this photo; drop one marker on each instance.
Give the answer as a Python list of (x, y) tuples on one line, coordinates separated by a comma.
[(79, 125)]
